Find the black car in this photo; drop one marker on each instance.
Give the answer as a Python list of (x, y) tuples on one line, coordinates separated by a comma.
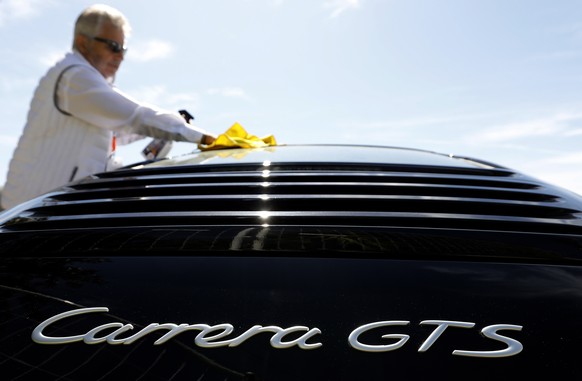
[(313, 262)]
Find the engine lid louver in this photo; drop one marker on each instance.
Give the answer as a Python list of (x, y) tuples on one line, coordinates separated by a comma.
[(305, 194)]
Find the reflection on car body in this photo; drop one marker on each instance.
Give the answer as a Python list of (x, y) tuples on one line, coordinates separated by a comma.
[(304, 262)]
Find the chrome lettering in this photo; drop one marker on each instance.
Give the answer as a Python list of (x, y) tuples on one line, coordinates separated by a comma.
[(206, 342), (175, 329), (442, 325), (222, 335), (277, 340), (205, 339), (91, 336), (353, 339), (39, 337), (513, 346)]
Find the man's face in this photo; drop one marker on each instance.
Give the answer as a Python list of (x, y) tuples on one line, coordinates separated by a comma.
[(99, 52)]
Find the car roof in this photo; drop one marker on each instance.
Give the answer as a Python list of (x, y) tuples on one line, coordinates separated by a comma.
[(323, 153)]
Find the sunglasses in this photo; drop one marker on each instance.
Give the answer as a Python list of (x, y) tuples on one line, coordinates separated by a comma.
[(114, 46)]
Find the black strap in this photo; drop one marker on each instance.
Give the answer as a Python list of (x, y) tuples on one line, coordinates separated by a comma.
[(55, 96)]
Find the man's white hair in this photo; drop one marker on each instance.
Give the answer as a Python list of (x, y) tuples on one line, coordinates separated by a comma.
[(92, 18)]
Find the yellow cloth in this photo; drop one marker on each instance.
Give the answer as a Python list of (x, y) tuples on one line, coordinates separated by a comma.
[(237, 137)]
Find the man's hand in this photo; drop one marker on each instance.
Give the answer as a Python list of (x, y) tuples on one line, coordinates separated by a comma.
[(207, 139)]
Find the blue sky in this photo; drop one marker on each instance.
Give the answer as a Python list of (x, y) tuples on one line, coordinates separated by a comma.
[(498, 80)]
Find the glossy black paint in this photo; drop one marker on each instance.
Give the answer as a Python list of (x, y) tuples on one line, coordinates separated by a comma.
[(334, 295), (329, 245)]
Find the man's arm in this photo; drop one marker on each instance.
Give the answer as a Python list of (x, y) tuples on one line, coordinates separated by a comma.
[(86, 95)]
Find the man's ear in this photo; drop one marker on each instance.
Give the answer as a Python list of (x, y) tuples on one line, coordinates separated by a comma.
[(81, 43)]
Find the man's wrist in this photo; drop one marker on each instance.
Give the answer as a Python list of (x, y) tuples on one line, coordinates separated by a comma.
[(207, 139)]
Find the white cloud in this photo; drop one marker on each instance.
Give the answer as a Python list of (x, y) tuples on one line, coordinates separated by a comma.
[(559, 124), (50, 58), (150, 51), (18, 9), (274, 3), (8, 84), (570, 159), (574, 132), (426, 121), (229, 92), (161, 97), (560, 169), (9, 140), (339, 6), (519, 130)]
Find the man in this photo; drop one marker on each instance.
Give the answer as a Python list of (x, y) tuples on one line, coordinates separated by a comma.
[(76, 115)]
